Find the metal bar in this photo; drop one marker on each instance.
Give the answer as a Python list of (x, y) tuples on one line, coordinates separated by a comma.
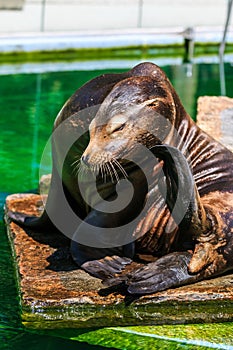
[(42, 22), (140, 9), (223, 43), (222, 49)]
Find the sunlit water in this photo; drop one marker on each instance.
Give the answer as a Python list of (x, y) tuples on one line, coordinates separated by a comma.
[(29, 104)]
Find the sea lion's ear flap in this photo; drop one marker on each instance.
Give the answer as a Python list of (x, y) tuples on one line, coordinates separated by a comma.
[(168, 271)]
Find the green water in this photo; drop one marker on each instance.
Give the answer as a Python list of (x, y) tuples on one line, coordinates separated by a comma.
[(29, 103)]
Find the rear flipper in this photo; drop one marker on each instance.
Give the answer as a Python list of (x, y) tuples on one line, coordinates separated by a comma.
[(173, 270), (19, 218), (168, 271), (34, 222), (43, 222)]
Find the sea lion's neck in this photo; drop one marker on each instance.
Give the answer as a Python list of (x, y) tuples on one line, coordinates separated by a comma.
[(210, 162), (184, 134), (189, 138)]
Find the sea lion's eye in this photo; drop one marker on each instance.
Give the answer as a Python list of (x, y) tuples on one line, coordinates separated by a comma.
[(117, 123), (119, 128)]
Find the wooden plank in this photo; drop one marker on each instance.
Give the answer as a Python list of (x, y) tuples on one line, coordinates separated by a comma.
[(215, 116)]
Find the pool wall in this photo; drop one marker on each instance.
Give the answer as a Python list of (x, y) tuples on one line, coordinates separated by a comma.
[(63, 15)]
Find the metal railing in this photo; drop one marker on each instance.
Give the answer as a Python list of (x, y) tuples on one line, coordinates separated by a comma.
[(222, 48)]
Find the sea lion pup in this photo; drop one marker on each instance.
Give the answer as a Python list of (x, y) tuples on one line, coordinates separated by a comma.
[(183, 215)]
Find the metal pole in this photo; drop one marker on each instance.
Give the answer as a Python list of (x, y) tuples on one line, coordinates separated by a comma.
[(42, 22), (222, 49), (140, 8)]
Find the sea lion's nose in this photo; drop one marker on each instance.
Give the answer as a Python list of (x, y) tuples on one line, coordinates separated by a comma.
[(85, 159)]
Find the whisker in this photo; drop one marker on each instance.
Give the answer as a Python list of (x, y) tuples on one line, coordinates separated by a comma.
[(114, 171), (120, 167), (101, 171), (96, 169), (109, 171), (83, 170), (80, 171), (76, 167), (98, 166), (77, 171), (105, 172), (77, 161), (93, 168)]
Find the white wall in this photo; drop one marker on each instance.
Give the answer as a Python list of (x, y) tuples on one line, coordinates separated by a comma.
[(73, 15), (11, 4)]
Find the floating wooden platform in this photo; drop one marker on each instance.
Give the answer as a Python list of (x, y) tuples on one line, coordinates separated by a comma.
[(54, 293)]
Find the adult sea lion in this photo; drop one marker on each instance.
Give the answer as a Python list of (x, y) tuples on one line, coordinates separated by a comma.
[(183, 216)]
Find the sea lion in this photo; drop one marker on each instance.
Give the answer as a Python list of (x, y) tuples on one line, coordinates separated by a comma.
[(187, 221)]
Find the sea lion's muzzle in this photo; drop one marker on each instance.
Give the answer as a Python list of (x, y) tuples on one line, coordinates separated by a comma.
[(99, 152)]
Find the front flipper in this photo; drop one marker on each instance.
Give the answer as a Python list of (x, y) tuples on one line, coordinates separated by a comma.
[(103, 263), (167, 272), (107, 268), (183, 198), (180, 187)]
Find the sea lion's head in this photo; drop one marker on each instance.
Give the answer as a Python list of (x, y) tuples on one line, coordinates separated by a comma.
[(138, 111)]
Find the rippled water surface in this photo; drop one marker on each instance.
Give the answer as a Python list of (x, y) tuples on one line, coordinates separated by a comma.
[(29, 104)]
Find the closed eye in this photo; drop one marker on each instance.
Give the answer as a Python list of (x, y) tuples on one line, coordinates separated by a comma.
[(119, 128), (116, 123)]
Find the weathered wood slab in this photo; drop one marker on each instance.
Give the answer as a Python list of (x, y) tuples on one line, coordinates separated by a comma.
[(215, 116), (55, 293)]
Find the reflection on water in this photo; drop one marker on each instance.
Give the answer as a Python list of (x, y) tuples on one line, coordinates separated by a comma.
[(29, 104)]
